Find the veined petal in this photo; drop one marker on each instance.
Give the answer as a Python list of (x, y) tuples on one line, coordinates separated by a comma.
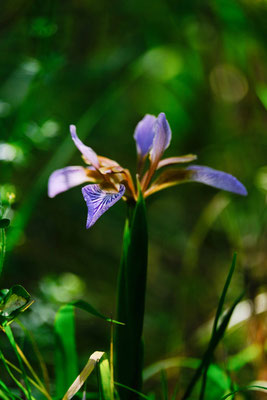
[(99, 201), (66, 178), (217, 179), (176, 160), (88, 153), (162, 138), (144, 134)]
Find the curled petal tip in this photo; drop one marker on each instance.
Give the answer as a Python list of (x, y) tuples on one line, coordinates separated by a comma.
[(218, 179), (86, 151), (99, 201)]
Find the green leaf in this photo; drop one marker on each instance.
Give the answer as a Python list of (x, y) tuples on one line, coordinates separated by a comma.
[(66, 362), (13, 302), (83, 305), (107, 385), (4, 223), (131, 300)]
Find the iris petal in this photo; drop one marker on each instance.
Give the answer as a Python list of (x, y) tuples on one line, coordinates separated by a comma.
[(66, 178), (99, 201), (144, 134), (86, 151), (162, 138), (217, 179)]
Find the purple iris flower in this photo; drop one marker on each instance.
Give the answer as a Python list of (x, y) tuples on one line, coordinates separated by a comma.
[(109, 182)]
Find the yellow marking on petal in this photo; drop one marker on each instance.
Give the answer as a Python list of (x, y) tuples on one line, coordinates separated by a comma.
[(93, 175), (167, 179)]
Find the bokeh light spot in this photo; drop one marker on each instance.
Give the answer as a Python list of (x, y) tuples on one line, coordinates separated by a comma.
[(228, 83)]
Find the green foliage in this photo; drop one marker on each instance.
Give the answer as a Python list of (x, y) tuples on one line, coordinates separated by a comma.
[(131, 300), (66, 361), (102, 68), (13, 301), (216, 336)]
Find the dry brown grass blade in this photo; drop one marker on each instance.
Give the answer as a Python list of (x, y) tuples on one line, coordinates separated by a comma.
[(81, 378)]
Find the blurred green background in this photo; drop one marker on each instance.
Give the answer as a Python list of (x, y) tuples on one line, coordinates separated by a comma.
[(102, 65)]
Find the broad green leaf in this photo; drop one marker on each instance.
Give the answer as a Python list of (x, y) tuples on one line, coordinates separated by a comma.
[(131, 300), (66, 362), (82, 377)]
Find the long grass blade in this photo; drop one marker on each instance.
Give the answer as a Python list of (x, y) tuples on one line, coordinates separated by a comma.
[(245, 389), (132, 390), (40, 388), (37, 353), (164, 384), (85, 306), (17, 382), (223, 295), (11, 339), (211, 348), (5, 389)]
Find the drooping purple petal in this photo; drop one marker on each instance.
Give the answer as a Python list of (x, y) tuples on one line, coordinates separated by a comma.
[(162, 138), (144, 134), (99, 201), (217, 179), (86, 151), (66, 178)]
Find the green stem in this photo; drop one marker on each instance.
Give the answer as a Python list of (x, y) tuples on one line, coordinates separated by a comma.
[(131, 302)]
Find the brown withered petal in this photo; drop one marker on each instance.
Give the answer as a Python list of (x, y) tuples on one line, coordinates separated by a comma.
[(176, 160), (168, 178)]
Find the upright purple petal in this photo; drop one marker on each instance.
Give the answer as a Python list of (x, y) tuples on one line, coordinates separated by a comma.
[(66, 178), (99, 201), (144, 134), (86, 151), (162, 138), (217, 179)]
